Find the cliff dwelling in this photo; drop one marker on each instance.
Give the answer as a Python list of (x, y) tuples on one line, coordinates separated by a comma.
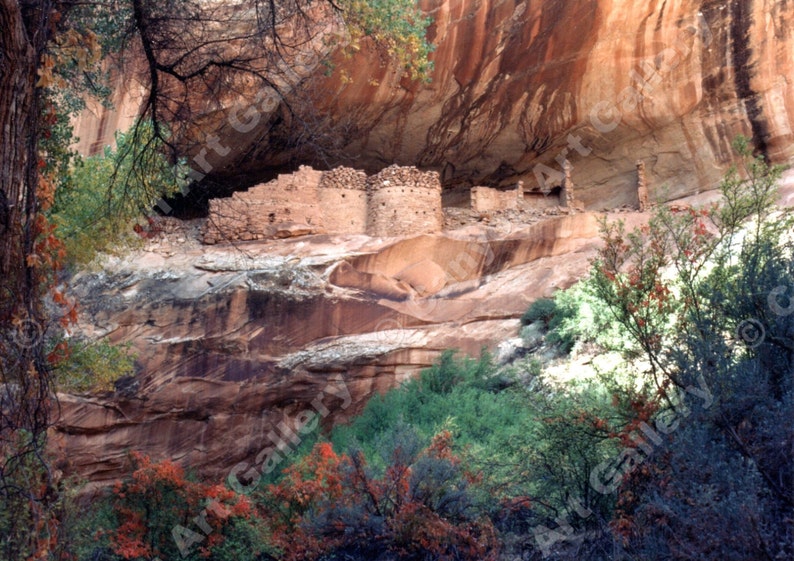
[(397, 201)]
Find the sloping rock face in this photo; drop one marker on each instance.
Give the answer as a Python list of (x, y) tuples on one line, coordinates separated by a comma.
[(519, 87), (239, 345), (231, 341)]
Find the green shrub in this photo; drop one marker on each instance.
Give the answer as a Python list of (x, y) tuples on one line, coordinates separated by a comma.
[(720, 487), (576, 315), (520, 442), (92, 365), (542, 309), (96, 209), (399, 26)]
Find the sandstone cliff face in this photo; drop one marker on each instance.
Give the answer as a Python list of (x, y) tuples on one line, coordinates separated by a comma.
[(516, 83), (667, 82), (230, 339)]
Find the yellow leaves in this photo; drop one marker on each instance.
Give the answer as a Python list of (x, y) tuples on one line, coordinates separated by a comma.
[(84, 48), (397, 27), (70, 47), (46, 76)]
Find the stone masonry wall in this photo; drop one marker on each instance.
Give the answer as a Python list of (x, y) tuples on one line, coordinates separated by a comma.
[(403, 201), (486, 199), (397, 201), (283, 207), (343, 199)]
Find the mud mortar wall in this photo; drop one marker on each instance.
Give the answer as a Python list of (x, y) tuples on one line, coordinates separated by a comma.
[(397, 201), (343, 199), (404, 201), (485, 199), (263, 211)]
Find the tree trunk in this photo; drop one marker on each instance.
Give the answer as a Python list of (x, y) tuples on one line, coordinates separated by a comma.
[(18, 147), (24, 378)]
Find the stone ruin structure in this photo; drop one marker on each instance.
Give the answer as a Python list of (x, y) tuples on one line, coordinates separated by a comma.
[(487, 199), (567, 197), (397, 201), (642, 188), (402, 201), (343, 196), (288, 205)]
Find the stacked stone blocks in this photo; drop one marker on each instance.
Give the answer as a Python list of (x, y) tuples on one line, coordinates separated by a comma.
[(487, 199), (404, 201), (397, 201)]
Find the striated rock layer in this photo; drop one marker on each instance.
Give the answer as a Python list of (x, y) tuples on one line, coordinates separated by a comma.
[(520, 86), (670, 83), (234, 340), (230, 339)]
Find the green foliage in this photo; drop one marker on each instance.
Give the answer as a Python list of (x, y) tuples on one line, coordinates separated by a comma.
[(396, 25), (429, 460), (92, 365), (519, 442), (71, 73), (20, 513), (569, 432), (458, 393), (108, 194), (576, 316), (158, 502), (243, 540), (542, 309), (683, 288)]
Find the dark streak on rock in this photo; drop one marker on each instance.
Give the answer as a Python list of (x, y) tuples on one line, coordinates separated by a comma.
[(741, 23)]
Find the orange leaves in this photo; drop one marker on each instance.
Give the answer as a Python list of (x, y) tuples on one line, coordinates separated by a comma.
[(624, 528), (48, 251), (600, 424), (46, 73), (33, 261), (316, 475), (158, 495), (128, 540), (83, 48), (316, 479), (45, 192), (522, 502), (326, 452), (642, 411), (243, 508), (58, 354), (328, 501), (441, 447), (42, 226)]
